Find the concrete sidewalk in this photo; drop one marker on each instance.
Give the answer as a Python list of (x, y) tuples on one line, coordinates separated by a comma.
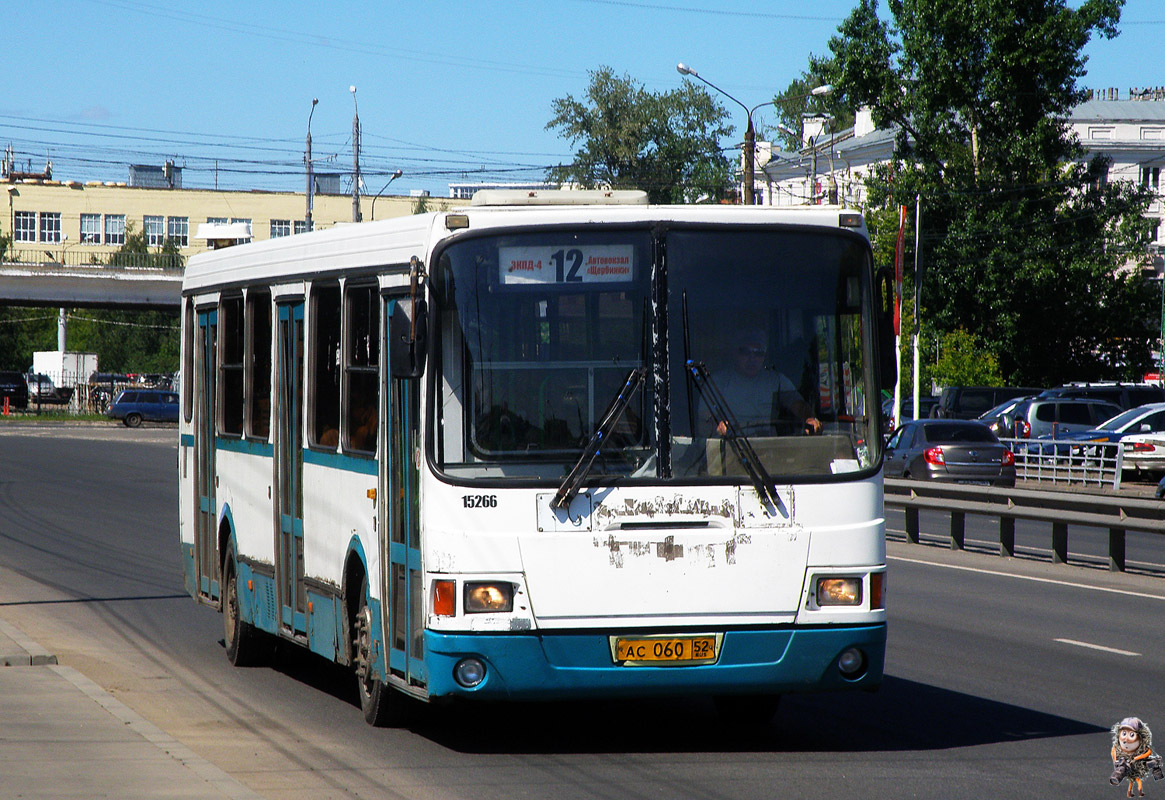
[(63, 736)]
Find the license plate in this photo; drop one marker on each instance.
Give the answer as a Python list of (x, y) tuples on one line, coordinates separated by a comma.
[(667, 650)]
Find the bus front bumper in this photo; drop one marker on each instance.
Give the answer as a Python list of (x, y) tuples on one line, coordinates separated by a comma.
[(579, 664)]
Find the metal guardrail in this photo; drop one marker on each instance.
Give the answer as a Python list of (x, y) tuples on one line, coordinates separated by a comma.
[(52, 257), (1061, 509), (1062, 461)]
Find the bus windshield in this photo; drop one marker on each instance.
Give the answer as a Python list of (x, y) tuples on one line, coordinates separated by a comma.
[(538, 333)]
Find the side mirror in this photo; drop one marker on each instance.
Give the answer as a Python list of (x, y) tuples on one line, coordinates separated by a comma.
[(408, 332)]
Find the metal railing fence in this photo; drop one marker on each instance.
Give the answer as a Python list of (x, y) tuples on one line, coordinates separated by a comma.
[(1062, 461), (1118, 514), (51, 256)]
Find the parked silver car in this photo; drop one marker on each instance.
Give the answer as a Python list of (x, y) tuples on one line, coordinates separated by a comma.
[(963, 451), (1051, 416)]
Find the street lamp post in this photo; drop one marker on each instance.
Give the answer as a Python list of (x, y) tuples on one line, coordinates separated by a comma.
[(355, 157), (749, 133), (307, 162), (395, 175), (749, 168)]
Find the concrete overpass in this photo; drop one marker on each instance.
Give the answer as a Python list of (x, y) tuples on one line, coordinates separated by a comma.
[(90, 286)]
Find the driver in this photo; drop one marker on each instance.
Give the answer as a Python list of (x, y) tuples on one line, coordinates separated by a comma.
[(754, 391)]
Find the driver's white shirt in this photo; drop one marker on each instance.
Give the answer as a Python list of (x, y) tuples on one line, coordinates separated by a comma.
[(750, 399)]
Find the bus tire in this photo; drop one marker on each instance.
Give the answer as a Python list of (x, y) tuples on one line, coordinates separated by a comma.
[(246, 645), (383, 706), (747, 710)]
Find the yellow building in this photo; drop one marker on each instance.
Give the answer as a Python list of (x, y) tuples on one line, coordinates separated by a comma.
[(74, 223)]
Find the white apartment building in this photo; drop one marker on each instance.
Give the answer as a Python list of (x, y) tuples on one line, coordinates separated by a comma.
[(1130, 132)]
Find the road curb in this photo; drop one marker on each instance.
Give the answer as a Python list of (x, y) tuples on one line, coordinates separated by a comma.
[(30, 653), (200, 767)]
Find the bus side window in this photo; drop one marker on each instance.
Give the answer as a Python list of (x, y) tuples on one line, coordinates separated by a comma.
[(325, 365), (259, 363), (188, 334), (230, 355), (361, 365)]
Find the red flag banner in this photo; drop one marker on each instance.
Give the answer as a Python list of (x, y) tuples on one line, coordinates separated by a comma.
[(899, 254)]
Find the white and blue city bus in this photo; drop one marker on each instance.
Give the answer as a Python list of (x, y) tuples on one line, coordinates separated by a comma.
[(488, 453)]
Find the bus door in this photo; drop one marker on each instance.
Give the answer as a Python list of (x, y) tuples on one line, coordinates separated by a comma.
[(289, 470), (206, 511), (401, 440)]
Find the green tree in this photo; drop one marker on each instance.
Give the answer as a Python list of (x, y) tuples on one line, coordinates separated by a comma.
[(629, 138), (1024, 245), (963, 361), (135, 252), (24, 331), (797, 100), (128, 340)]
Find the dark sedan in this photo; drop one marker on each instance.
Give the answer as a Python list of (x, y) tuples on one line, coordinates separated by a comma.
[(961, 451)]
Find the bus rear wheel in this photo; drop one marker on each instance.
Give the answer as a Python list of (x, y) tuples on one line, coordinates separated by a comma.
[(246, 645), (382, 705)]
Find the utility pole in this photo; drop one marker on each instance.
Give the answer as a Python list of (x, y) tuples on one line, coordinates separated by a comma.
[(917, 295), (355, 157), (307, 161), (749, 162)]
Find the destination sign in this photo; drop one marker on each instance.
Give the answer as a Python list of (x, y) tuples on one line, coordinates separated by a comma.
[(610, 263)]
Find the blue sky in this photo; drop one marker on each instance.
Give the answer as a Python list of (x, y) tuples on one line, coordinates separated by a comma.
[(457, 90)]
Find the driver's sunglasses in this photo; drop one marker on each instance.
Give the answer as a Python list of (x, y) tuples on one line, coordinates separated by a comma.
[(751, 351)]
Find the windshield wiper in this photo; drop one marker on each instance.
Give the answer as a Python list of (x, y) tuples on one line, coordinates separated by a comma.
[(570, 485), (739, 443)]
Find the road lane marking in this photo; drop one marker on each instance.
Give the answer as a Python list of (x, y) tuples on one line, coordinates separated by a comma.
[(1001, 574), (1091, 646)]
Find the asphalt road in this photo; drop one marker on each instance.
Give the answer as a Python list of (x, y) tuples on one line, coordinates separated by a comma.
[(1003, 676)]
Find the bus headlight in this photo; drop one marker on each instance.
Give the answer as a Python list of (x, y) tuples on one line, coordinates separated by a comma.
[(839, 591), (483, 597)]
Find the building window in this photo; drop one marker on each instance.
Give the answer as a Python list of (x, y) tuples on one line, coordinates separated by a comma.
[(90, 229), (178, 229), (155, 230), (115, 228), (301, 226), (280, 227), (216, 220), (1150, 177), (50, 226), (24, 226), (246, 221)]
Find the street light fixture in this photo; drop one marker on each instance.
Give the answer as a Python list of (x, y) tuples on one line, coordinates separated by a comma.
[(307, 161), (748, 198), (395, 175)]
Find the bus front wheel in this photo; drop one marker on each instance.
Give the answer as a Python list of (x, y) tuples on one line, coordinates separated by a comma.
[(246, 645), (382, 705)]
